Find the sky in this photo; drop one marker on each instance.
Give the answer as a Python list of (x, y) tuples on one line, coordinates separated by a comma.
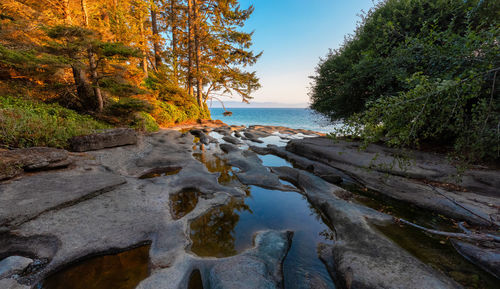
[(294, 34)]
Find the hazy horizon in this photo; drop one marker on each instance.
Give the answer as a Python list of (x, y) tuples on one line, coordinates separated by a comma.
[(294, 35), (263, 104)]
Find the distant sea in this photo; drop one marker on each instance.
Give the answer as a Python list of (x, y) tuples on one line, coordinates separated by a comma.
[(289, 117)]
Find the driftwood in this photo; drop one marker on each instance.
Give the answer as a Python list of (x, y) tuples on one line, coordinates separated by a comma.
[(466, 235)]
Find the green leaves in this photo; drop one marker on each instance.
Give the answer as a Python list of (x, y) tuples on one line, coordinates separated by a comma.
[(418, 72)]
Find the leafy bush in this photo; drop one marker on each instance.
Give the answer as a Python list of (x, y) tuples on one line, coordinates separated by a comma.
[(419, 72), (25, 123), (127, 106), (143, 121)]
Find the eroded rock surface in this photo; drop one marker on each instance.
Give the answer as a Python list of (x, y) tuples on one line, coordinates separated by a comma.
[(362, 257), (15, 162), (104, 139), (379, 169), (486, 258), (101, 205), (13, 265)]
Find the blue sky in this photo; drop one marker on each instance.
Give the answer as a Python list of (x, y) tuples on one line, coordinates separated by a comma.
[(294, 34)]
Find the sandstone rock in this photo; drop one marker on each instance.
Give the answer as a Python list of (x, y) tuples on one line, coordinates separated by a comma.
[(105, 139), (486, 258), (375, 170), (363, 257), (232, 139), (29, 197), (13, 265), (14, 162), (252, 137), (11, 284), (258, 268)]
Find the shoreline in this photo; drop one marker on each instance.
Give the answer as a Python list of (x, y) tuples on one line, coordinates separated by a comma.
[(123, 207)]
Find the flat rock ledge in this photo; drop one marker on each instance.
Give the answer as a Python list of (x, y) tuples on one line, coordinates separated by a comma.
[(362, 257), (104, 139), (421, 180), (260, 267), (14, 162)]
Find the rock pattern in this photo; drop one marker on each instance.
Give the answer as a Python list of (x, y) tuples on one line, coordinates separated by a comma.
[(9, 283), (100, 205), (484, 257), (27, 198), (104, 139), (13, 265), (15, 162), (378, 169), (259, 267), (362, 257)]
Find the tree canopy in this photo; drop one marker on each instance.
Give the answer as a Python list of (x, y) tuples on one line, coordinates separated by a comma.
[(94, 55), (418, 72)]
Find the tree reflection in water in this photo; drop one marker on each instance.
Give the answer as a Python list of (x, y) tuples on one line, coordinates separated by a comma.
[(212, 234), (215, 164), (183, 202)]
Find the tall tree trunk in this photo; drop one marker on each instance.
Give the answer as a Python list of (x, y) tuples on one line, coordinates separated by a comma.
[(83, 88), (144, 63), (156, 37), (92, 63), (84, 12), (173, 23), (95, 81), (199, 81), (67, 13), (190, 49)]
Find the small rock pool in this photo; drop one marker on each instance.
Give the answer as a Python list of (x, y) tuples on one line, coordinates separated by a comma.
[(119, 271), (229, 229)]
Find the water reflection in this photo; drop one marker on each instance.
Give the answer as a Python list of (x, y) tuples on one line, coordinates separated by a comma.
[(440, 254), (213, 234), (273, 161), (160, 172), (215, 164), (121, 271), (229, 229), (183, 202)]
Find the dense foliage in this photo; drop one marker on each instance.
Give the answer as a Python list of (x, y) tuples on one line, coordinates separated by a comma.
[(25, 123), (419, 72), (134, 63)]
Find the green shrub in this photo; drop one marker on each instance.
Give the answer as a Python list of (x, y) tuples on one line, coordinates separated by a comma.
[(127, 106), (143, 121), (419, 72), (25, 123)]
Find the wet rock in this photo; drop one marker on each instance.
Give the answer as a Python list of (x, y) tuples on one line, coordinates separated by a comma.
[(225, 131), (404, 163), (363, 257), (326, 172), (486, 258), (105, 139), (237, 134), (389, 180), (204, 138), (13, 265), (269, 129), (252, 137), (228, 148), (232, 140), (252, 171), (257, 268), (201, 135), (26, 198), (12, 284), (14, 162)]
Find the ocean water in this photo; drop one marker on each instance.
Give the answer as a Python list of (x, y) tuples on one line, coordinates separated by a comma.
[(289, 117)]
